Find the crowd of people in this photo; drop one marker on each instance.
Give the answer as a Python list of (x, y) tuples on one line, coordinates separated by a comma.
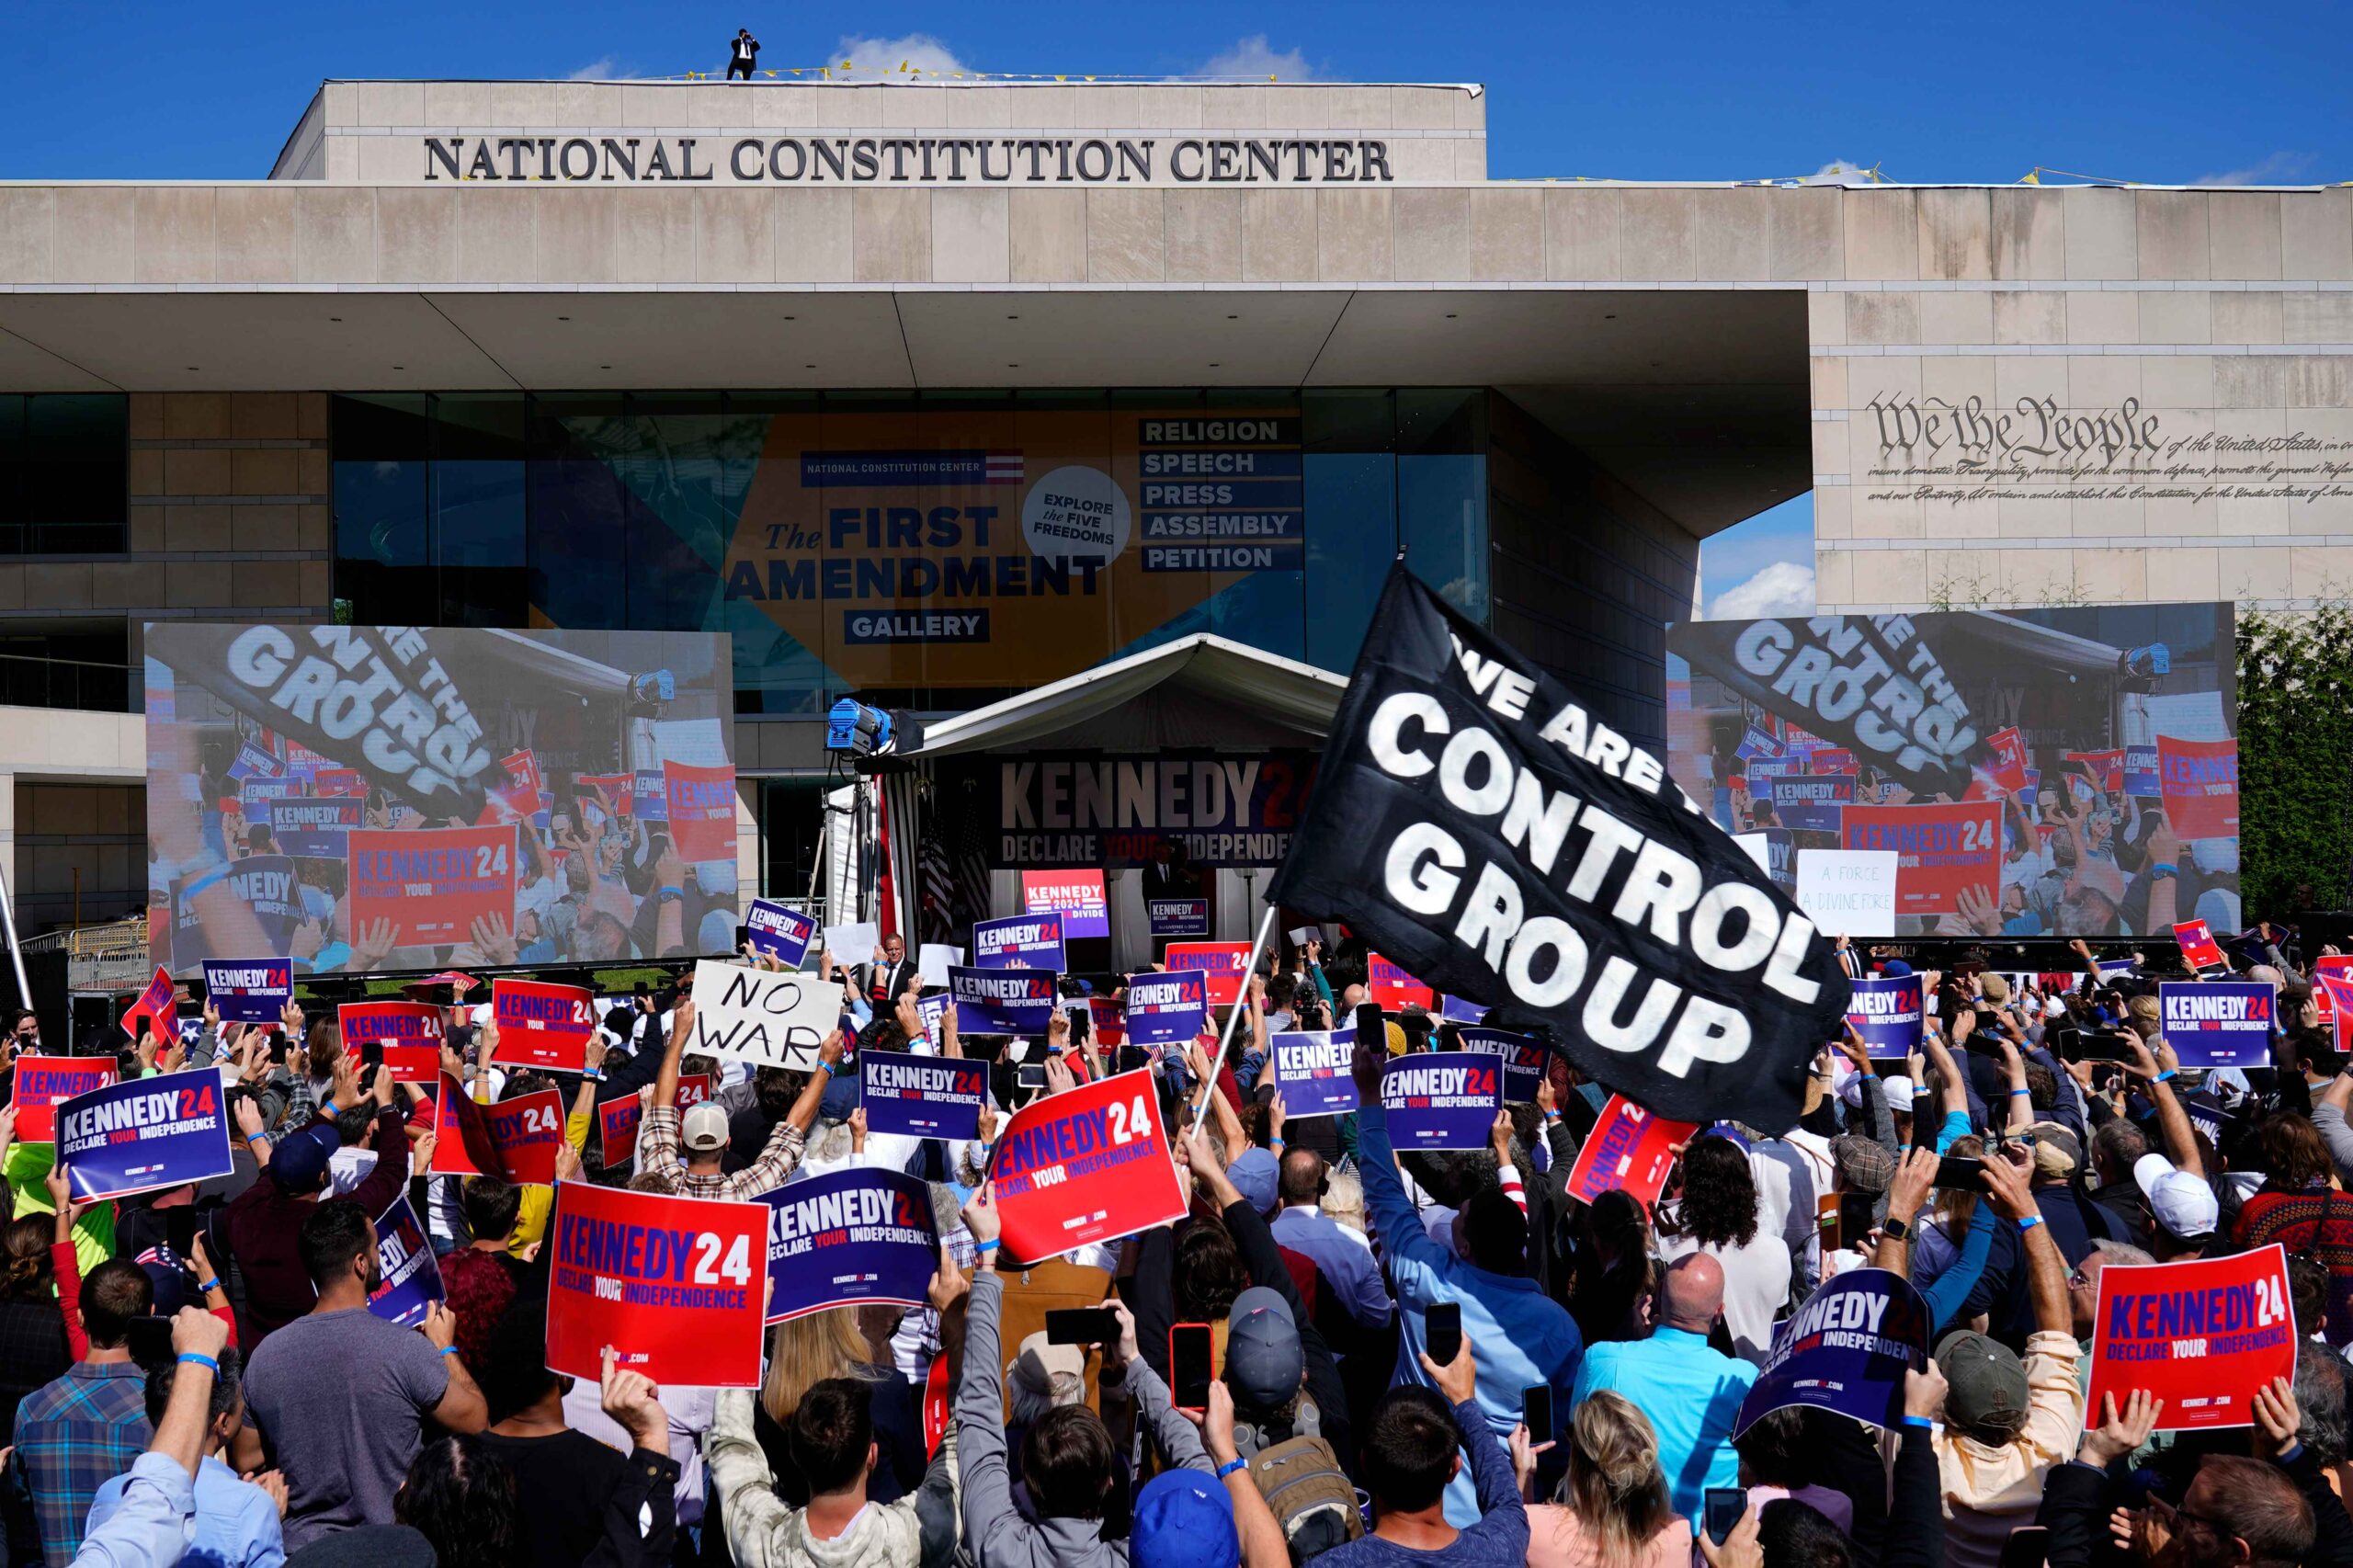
[(194, 1374)]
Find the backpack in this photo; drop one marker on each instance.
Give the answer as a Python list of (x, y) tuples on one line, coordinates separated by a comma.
[(1310, 1499)]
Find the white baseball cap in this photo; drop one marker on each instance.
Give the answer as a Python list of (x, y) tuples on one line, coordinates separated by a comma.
[(2182, 1204)]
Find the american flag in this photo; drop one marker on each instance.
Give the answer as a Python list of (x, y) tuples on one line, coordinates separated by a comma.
[(1002, 468), (954, 862)]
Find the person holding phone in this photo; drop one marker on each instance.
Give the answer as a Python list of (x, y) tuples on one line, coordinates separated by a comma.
[(1415, 1440), (1612, 1504), (1518, 1334)]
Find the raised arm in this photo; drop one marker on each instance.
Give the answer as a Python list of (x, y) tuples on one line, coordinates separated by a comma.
[(2008, 1191), (2156, 1070)]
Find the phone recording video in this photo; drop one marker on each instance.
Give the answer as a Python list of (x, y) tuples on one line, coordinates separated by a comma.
[(1444, 1325), (1083, 1326), (1723, 1506), (1190, 1365)]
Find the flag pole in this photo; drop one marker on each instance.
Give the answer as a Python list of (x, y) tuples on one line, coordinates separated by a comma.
[(1233, 1016)]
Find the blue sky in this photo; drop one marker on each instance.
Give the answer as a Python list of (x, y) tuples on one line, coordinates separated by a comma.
[(2149, 91)]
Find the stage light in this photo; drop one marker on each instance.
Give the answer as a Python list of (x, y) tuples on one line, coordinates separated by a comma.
[(851, 726)]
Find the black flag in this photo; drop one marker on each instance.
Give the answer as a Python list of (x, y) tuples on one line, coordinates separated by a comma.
[(1476, 824), (1870, 683)]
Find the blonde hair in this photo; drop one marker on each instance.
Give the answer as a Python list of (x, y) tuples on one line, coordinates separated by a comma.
[(1614, 1485), (1956, 1205), (804, 1352), (1344, 1200)]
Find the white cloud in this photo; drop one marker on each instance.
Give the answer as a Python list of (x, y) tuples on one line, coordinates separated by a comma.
[(2279, 168), (1255, 57), (1839, 171), (601, 69), (1783, 588), (876, 56)]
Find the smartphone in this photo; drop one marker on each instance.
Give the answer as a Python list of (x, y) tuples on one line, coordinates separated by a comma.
[(1131, 1057), (2028, 1547), (1723, 1506), (1084, 1325), (1447, 1038), (1536, 1411), (179, 1229), (1960, 1175), (150, 1341), (1370, 1024), (2107, 1048), (1030, 1077), (1444, 1323), (1189, 1351), (190, 1010)]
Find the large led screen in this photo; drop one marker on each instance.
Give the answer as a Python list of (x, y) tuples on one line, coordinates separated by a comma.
[(390, 797), (2063, 772)]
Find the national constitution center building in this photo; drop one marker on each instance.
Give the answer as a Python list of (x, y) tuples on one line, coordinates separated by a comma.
[(1083, 420)]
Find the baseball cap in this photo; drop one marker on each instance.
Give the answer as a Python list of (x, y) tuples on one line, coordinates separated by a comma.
[(1253, 1175), (1039, 1365), (298, 1164), (2181, 1204), (1183, 1519), (704, 1129), (1263, 1358), (2056, 1151), (1987, 1391), (1862, 1164)]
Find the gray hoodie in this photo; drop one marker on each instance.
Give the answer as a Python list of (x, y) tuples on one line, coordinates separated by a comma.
[(995, 1535)]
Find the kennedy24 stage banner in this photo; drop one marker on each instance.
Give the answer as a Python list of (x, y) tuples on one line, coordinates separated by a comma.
[(542, 1025), (1088, 1165), (1077, 897), (1886, 1011), (1848, 1350), (43, 1082), (780, 933), (145, 1134), (1473, 821), (922, 1097), (1205, 809), (2201, 782), (1629, 1149), (249, 991), (411, 1280), (2198, 1334), (1178, 917), (1002, 1001), (1164, 1007), (854, 1235), (674, 1284), (1941, 851), (1020, 941), (2218, 1023), (1222, 967), (1441, 1099), (1312, 1071)]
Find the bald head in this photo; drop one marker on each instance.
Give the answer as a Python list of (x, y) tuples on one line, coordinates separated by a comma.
[(1692, 1293)]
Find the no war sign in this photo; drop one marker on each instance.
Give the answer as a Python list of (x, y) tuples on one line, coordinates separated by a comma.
[(148, 1134), (2198, 1334), (2218, 1023), (854, 1235), (922, 1097), (674, 1284), (761, 1017), (1088, 1165)]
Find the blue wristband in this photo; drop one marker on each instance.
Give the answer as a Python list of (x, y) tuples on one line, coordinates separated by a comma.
[(201, 1360), (2160, 869), (833, 1069), (2167, 1076), (448, 1350), (1230, 1466), (1919, 1423), (980, 1247), (327, 1109), (2029, 1223)]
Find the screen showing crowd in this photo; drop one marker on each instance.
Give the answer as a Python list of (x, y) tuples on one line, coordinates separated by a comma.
[(2058, 772), (404, 798)]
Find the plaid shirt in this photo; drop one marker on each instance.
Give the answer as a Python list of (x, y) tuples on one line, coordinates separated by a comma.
[(72, 1437), (657, 1150)]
